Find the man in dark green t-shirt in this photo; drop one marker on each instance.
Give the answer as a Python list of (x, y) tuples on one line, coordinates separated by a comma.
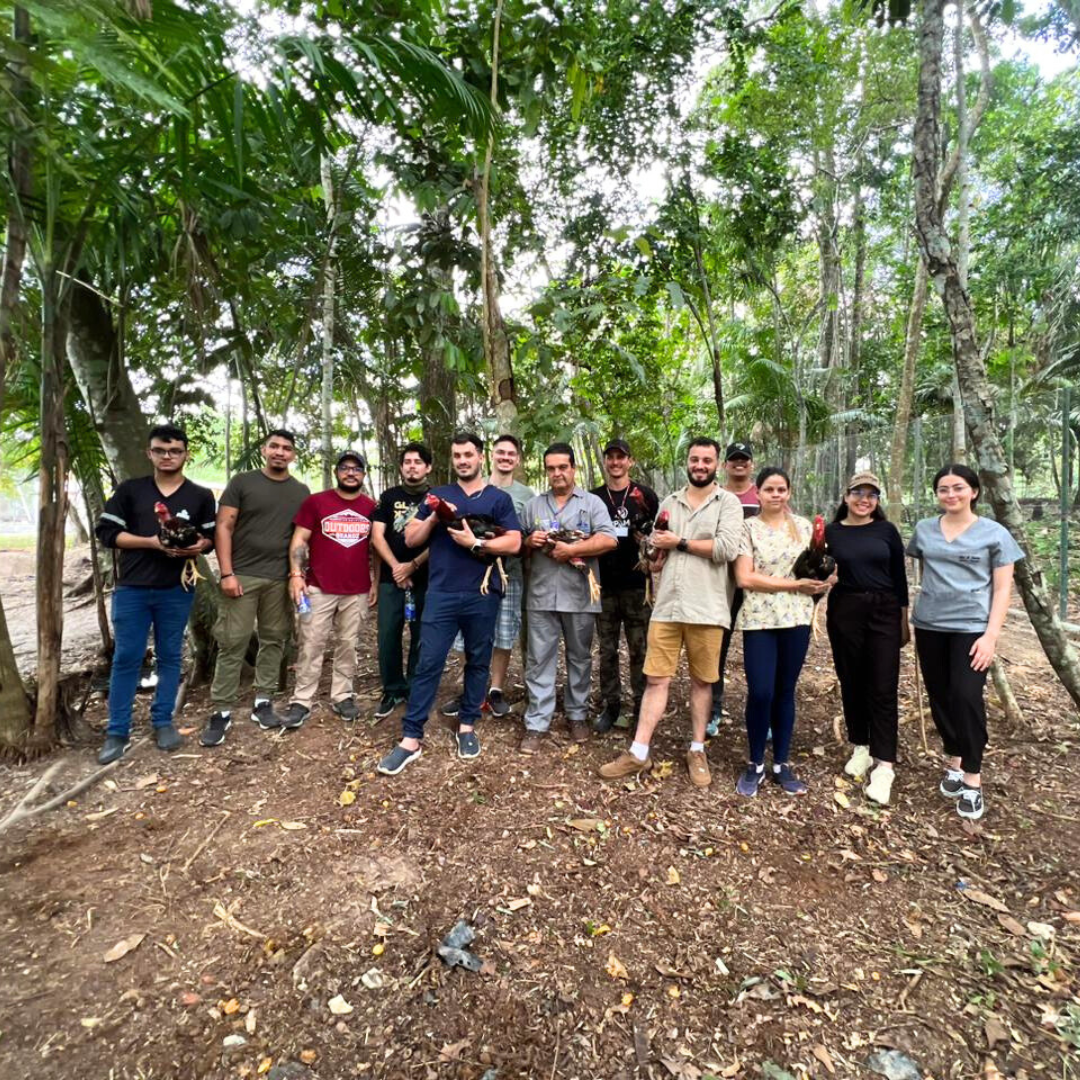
[(254, 523)]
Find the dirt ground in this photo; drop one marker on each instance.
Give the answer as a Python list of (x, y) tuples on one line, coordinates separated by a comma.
[(281, 905)]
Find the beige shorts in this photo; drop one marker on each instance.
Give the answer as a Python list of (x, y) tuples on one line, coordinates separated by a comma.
[(666, 640)]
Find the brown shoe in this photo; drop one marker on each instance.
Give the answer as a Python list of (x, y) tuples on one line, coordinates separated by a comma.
[(532, 743), (697, 765), (579, 731), (625, 765)]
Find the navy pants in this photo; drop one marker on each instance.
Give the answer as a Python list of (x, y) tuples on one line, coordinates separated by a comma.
[(773, 660), (135, 611), (445, 613)]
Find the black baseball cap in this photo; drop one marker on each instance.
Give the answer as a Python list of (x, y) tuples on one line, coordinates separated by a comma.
[(739, 449), (620, 445), (351, 455)]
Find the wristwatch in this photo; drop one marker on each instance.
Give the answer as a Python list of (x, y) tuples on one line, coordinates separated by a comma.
[(683, 544), (477, 545)]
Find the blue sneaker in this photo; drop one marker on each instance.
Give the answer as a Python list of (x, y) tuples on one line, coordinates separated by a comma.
[(397, 759), (712, 729), (750, 780), (468, 745), (789, 783)]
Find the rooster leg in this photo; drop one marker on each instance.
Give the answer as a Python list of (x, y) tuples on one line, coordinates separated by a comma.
[(594, 588), (648, 589), (813, 623), (502, 575), (190, 576), (485, 585)]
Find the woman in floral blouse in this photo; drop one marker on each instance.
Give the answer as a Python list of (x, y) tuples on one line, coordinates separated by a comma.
[(775, 621)]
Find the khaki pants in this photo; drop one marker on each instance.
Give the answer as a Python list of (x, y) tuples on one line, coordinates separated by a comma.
[(265, 603), (343, 614)]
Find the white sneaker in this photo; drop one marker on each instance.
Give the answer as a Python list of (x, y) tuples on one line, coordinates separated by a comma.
[(860, 762), (880, 787)]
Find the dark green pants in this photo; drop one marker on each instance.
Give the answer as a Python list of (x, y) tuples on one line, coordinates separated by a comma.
[(391, 624), (626, 609)]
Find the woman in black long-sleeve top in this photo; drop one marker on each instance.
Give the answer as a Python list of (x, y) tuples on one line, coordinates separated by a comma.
[(867, 624)]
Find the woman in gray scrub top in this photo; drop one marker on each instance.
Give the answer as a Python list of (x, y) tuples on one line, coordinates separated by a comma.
[(967, 565)]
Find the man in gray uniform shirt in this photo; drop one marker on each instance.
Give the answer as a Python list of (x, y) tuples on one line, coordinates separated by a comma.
[(558, 600)]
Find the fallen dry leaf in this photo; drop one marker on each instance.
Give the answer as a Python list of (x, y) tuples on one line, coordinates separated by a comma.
[(585, 824), (995, 1032), (673, 876), (842, 799), (123, 947), (977, 896), (879, 875), (517, 905), (98, 815), (615, 968), (309, 1057), (189, 998), (229, 1007), (1072, 916), (663, 770), (146, 781), (292, 826), (822, 1054), (346, 798), (339, 1006), (453, 1051), (264, 1065)]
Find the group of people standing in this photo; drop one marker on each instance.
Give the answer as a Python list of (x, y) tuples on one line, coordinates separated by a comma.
[(676, 575)]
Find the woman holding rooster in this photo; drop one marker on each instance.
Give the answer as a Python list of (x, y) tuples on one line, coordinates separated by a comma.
[(775, 620)]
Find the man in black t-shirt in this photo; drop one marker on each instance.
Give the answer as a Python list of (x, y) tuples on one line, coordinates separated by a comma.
[(623, 586), (149, 594), (403, 575)]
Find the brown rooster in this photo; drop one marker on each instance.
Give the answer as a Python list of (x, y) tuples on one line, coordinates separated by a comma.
[(646, 552), (560, 534), (176, 533)]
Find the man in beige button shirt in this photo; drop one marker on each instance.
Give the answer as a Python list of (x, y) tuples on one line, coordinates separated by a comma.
[(693, 607)]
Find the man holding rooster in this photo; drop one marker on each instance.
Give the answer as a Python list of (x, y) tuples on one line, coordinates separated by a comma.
[(463, 594), (567, 528), (701, 536), (158, 523)]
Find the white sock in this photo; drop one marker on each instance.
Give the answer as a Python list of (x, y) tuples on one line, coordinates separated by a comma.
[(697, 747), (775, 768), (259, 701), (640, 750), (495, 690), (224, 713)]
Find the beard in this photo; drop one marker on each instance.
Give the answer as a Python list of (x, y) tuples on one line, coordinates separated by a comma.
[(464, 472), (709, 478), (350, 485)]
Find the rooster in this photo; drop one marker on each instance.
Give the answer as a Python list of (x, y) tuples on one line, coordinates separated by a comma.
[(483, 527), (815, 562), (563, 535), (174, 532), (646, 552)]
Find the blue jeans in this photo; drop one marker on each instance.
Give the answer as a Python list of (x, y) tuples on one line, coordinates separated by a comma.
[(773, 660), (134, 612), (445, 613)]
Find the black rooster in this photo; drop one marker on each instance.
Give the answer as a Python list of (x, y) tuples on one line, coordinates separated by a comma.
[(483, 527), (815, 563)]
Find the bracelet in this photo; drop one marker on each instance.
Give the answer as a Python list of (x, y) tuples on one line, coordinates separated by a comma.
[(224, 576), (296, 573)]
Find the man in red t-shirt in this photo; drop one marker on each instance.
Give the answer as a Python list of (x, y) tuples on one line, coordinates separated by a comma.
[(330, 538)]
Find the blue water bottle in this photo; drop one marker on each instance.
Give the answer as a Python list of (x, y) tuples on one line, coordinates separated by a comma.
[(303, 608), (410, 606)]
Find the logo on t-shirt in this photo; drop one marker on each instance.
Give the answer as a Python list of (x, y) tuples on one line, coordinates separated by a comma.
[(404, 512), (346, 528)]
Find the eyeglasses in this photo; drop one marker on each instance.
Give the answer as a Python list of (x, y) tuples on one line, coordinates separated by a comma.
[(350, 468), (157, 451), (865, 493)]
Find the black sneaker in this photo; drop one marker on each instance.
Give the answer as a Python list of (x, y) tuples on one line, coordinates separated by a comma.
[(468, 745), (952, 784), (970, 804), (167, 738), (396, 760), (214, 732), (295, 715), (116, 746), (346, 709), (452, 707), (498, 705), (388, 704), (607, 719), (264, 715)]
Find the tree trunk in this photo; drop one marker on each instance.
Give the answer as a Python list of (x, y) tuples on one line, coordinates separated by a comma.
[(52, 512), (329, 274), (496, 343), (978, 405), (93, 351)]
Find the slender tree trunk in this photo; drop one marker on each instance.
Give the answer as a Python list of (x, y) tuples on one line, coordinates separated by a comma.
[(52, 512), (329, 276), (978, 403), (496, 342), (855, 329)]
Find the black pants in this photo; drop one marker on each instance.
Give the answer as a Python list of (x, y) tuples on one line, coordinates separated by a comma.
[(864, 631), (956, 694), (718, 686)]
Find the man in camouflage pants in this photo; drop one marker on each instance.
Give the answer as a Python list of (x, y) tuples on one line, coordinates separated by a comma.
[(623, 596)]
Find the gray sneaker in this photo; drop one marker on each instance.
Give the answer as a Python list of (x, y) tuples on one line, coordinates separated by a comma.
[(750, 780), (396, 760), (347, 710), (970, 805), (265, 716), (115, 747), (952, 784), (295, 715), (167, 738), (498, 705)]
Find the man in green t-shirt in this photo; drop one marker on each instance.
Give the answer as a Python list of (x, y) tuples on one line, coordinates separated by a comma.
[(254, 526)]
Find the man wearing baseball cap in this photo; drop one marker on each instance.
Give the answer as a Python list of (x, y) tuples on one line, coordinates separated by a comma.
[(330, 565), (739, 467), (622, 598)]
